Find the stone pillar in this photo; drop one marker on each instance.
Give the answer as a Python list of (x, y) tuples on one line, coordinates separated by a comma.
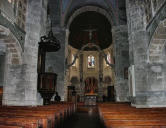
[(21, 86), (100, 78), (138, 42), (145, 74), (67, 71), (81, 78), (121, 46), (137, 46)]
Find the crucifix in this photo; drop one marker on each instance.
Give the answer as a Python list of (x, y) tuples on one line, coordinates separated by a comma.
[(90, 30)]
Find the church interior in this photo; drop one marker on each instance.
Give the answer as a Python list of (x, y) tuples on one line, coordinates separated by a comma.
[(82, 63)]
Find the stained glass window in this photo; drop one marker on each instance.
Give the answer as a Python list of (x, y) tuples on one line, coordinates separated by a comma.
[(91, 61)]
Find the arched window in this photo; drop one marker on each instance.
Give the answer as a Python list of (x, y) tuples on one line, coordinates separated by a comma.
[(72, 59), (91, 61), (109, 58), (21, 13)]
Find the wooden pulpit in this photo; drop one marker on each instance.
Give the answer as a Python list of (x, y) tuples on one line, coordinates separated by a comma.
[(46, 80)]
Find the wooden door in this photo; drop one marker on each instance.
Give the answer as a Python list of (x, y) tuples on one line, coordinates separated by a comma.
[(110, 93)]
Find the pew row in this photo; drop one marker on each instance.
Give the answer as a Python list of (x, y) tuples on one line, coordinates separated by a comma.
[(122, 115), (49, 116)]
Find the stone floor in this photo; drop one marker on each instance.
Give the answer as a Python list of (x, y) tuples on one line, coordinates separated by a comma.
[(84, 119)]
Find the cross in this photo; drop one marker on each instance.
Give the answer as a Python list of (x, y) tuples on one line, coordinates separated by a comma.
[(90, 32)]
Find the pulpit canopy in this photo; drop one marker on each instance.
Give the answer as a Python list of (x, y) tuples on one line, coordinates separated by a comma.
[(49, 43)]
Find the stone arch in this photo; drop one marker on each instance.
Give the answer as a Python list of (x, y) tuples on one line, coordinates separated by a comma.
[(89, 8), (78, 12), (13, 48), (157, 43)]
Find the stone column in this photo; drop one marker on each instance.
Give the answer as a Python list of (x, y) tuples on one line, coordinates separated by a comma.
[(67, 71), (100, 78), (21, 87), (121, 46), (138, 45), (35, 28), (81, 78)]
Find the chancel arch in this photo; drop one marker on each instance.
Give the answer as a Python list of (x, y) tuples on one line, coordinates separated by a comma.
[(89, 46), (67, 22)]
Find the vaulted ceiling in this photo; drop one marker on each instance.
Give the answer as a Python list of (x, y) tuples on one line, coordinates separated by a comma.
[(103, 3), (90, 27)]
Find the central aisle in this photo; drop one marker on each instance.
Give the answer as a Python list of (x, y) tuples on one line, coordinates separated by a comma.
[(88, 118)]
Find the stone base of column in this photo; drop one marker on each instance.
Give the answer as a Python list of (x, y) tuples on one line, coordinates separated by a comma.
[(149, 99)]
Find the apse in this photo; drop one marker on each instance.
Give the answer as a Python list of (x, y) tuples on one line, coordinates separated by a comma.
[(90, 27)]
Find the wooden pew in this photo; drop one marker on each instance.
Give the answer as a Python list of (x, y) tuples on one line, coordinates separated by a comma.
[(44, 119), (9, 126), (34, 117), (121, 115), (143, 122), (59, 111), (20, 121)]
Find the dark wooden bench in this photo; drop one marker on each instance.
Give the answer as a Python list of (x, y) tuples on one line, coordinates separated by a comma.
[(35, 117), (9, 126), (119, 115)]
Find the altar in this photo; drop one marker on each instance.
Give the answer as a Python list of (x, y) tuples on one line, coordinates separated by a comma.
[(90, 99), (91, 89)]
